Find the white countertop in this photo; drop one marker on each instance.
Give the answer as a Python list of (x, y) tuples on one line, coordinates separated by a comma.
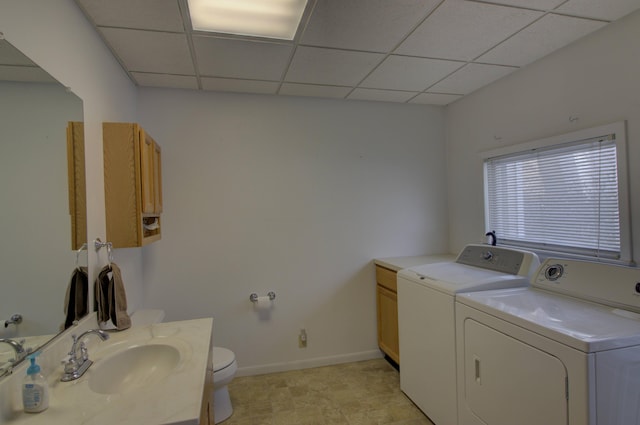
[(399, 263), (175, 400)]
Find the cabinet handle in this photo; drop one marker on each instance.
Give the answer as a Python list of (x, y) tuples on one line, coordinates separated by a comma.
[(476, 362)]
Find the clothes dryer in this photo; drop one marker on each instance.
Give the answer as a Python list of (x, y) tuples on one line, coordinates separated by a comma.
[(565, 350), (426, 319)]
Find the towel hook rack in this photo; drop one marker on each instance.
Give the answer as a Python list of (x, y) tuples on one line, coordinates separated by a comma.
[(99, 244)]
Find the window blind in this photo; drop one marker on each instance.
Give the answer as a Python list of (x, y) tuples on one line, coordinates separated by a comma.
[(560, 198)]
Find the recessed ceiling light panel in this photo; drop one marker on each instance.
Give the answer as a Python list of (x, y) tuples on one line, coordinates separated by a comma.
[(258, 18)]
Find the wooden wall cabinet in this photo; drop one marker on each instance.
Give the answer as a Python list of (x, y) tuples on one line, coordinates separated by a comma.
[(77, 184), (132, 185), (387, 310)]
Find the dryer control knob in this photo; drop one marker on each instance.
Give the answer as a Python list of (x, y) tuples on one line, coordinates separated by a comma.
[(554, 272), (487, 255)]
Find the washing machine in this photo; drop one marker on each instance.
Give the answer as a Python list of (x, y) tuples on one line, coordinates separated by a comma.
[(426, 319), (565, 350)]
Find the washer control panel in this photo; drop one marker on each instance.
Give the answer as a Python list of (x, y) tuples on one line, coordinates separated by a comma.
[(498, 259)]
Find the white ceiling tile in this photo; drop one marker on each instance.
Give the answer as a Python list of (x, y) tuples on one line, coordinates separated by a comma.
[(164, 80), (151, 51), (548, 34), (239, 86), (409, 73), (372, 25), (600, 9), (463, 30), (381, 95), (470, 78), (435, 98), (222, 57), (448, 45), (529, 4), (161, 15), (331, 67), (312, 90)]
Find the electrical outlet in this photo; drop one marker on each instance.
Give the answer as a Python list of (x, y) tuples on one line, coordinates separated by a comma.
[(302, 339)]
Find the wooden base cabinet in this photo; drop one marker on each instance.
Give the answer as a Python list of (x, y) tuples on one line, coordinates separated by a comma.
[(132, 185), (387, 306)]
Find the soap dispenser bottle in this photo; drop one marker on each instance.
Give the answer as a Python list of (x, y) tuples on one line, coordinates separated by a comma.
[(35, 390)]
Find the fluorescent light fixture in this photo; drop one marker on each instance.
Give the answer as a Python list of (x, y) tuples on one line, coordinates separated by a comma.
[(258, 18)]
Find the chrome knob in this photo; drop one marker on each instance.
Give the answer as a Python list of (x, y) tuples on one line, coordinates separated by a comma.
[(554, 272)]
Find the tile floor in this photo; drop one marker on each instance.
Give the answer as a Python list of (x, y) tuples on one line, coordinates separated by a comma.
[(360, 393)]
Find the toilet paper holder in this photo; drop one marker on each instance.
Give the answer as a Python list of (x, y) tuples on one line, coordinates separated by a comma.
[(253, 297)]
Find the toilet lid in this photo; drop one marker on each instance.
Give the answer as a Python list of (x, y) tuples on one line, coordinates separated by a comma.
[(222, 358)]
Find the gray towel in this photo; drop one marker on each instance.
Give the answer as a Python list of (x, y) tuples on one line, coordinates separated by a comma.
[(111, 299), (75, 300)]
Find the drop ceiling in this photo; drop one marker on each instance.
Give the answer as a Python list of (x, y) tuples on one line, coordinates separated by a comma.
[(407, 51)]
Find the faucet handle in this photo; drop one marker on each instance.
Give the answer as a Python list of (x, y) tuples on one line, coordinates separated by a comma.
[(73, 346), (84, 352), (70, 365)]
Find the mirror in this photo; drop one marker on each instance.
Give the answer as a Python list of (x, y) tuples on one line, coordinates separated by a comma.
[(36, 256)]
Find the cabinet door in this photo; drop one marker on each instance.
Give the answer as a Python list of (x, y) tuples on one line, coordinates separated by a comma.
[(157, 179), (147, 173), (77, 184), (388, 322)]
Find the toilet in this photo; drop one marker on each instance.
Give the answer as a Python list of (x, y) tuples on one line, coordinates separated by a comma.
[(146, 317), (223, 368)]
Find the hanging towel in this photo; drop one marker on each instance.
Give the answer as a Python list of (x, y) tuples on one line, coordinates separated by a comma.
[(101, 291), (111, 299), (75, 300)]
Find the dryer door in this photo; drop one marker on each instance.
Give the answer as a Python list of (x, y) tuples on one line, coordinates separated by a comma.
[(508, 382)]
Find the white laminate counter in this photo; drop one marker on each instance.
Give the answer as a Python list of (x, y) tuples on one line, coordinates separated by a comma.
[(398, 263), (176, 399)]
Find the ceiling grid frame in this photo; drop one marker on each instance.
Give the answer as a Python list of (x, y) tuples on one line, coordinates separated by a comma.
[(109, 16)]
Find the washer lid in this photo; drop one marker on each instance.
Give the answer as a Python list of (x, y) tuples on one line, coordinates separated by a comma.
[(222, 358), (584, 325), (454, 277)]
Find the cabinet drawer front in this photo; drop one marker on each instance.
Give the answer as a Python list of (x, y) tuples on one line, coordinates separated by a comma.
[(387, 278)]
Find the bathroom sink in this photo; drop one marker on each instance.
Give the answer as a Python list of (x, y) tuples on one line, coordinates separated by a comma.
[(133, 367)]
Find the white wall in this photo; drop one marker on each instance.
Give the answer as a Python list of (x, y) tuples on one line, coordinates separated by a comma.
[(261, 193), (293, 195), (56, 35), (596, 79)]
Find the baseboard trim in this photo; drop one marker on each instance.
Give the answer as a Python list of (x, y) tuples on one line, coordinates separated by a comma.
[(309, 363)]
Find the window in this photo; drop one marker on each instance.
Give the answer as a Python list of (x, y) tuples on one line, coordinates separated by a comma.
[(564, 194)]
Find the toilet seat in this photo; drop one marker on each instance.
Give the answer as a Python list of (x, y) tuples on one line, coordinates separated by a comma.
[(222, 358)]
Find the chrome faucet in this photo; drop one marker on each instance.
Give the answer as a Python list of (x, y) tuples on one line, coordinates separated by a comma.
[(16, 319), (17, 347), (21, 353), (78, 361)]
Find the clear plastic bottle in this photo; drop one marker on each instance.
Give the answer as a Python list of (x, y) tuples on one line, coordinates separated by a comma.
[(35, 390)]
